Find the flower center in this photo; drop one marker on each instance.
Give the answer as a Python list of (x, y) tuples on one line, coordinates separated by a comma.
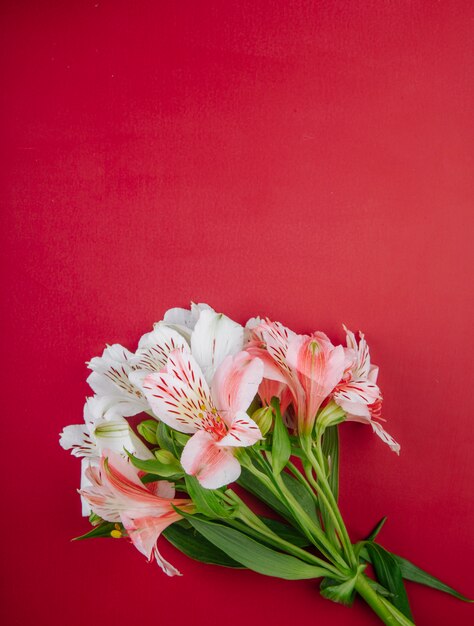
[(214, 424)]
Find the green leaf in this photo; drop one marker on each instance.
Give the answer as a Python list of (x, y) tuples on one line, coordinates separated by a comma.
[(286, 532), (147, 429), (301, 494), (340, 592), (417, 575), (164, 438), (389, 576), (281, 444), (196, 546), (376, 529), (158, 467), (378, 588), (253, 485), (206, 500), (102, 530), (253, 554), (331, 452)]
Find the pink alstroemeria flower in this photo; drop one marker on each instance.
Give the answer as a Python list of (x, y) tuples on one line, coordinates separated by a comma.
[(310, 365), (215, 415), (358, 393), (117, 494)]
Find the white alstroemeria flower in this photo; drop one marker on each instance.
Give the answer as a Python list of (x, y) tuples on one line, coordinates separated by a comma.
[(213, 337), (103, 429), (109, 379)]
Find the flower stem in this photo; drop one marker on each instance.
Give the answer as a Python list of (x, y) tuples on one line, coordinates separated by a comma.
[(387, 612), (252, 521), (324, 490)]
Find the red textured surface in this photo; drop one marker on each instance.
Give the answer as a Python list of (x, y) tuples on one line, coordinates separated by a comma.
[(307, 160)]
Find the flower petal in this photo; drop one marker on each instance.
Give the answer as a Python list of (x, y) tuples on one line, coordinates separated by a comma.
[(155, 347), (235, 383), (385, 437), (211, 464), (110, 378), (215, 337), (320, 366), (77, 439), (357, 391), (184, 320), (180, 396), (117, 436), (144, 533), (243, 431)]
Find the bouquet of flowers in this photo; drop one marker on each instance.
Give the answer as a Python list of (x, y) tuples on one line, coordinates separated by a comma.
[(234, 411)]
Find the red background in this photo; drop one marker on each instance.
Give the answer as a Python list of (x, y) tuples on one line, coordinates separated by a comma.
[(306, 160)]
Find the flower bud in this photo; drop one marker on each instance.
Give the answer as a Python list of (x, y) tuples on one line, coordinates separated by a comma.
[(167, 458), (147, 429), (330, 415), (263, 417)]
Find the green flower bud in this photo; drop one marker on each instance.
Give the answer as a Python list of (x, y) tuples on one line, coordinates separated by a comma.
[(263, 417), (330, 415), (167, 458), (147, 429)]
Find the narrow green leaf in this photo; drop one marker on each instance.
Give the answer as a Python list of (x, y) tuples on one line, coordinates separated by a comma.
[(254, 486), (152, 478), (102, 530), (331, 452), (417, 575), (281, 445), (301, 494), (389, 576), (206, 501), (286, 532), (378, 588), (376, 529), (253, 554), (155, 466), (196, 546)]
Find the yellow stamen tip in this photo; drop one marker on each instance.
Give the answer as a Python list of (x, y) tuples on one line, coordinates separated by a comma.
[(116, 534)]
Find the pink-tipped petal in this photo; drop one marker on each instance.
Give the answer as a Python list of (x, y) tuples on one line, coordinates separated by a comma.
[(144, 533), (236, 382), (211, 464), (243, 431)]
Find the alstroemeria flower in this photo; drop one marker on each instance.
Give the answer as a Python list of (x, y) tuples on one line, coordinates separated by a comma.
[(358, 393), (214, 414), (117, 494), (310, 365), (103, 429)]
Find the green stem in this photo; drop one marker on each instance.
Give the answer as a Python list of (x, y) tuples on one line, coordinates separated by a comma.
[(319, 538), (276, 485), (324, 488), (387, 612), (254, 523)]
